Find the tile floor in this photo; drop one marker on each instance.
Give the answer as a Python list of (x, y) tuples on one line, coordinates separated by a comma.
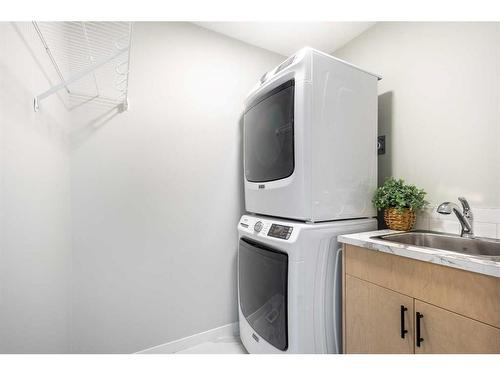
[(220, 345)]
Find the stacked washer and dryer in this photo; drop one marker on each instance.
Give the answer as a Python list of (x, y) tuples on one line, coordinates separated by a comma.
[(310, 171)]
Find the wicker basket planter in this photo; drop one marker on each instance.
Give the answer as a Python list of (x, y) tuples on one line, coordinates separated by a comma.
[(400, 219)]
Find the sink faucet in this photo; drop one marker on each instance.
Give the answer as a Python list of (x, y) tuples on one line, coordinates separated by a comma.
[(464, 217)]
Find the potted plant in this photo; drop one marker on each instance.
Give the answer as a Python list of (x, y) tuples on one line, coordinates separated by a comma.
[(400, 201)]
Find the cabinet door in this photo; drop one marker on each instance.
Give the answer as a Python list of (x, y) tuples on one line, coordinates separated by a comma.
[(374, 319), (444, 331)]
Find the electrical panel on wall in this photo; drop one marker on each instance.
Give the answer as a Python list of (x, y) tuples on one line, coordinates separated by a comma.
[(91, 60)]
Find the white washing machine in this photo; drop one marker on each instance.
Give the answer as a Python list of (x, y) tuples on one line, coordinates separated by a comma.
[(289, 276)]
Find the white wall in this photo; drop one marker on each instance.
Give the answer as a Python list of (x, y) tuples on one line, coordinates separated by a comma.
[(157, 192), (122, 235), (438, 105), (34, 202)]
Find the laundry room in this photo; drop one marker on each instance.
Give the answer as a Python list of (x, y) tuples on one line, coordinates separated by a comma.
[(197, 186)]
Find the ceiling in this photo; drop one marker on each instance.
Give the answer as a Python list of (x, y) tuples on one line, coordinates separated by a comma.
[(286, 38)]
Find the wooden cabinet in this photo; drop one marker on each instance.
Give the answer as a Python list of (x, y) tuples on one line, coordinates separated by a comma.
[(444, 331), (458, 310), (378, 320)]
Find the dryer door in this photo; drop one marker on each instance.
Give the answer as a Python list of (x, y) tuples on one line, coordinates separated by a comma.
[(263, 284), (269, 135)]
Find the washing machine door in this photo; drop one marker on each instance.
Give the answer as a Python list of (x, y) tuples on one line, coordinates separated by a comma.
[(263, 288)]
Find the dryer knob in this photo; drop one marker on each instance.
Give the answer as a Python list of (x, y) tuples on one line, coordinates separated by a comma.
[(258, 226)]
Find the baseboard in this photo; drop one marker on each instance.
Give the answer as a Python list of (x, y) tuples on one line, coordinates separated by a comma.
[(231, 329)]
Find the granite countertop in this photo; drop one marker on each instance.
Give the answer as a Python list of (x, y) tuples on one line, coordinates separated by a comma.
[(473, 263)]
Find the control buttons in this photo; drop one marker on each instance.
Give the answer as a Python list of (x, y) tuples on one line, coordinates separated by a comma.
[(258, 226)]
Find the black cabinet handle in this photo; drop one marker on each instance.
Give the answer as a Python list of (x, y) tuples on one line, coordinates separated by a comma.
[(403, 330), (419, 337)]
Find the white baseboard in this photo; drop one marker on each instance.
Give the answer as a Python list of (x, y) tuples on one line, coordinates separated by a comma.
[(231, 329)]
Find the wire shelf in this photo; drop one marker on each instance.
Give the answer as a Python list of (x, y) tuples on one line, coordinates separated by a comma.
[(91, 60)]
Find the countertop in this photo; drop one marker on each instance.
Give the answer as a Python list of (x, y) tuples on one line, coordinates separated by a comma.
[(442, 257)]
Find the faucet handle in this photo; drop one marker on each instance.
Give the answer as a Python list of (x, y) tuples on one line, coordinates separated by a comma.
[(465, 206)]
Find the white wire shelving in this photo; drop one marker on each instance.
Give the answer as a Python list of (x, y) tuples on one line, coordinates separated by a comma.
[(91, 60)]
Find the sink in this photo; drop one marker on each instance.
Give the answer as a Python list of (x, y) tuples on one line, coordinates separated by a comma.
[(484, 247)]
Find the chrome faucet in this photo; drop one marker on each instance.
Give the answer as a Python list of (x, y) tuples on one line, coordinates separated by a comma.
[(464, 217)]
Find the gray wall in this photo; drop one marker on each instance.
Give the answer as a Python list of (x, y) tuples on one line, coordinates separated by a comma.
[(439, 105), (157, 192), (34, 202)]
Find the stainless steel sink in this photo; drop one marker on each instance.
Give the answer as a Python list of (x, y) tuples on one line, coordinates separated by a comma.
[(484, 247)]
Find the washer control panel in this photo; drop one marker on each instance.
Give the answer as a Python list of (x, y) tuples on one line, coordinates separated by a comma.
[(280, 231), (265, 228)]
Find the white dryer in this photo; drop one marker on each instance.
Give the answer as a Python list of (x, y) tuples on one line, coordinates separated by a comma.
[(289, 276), (310, 140)]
